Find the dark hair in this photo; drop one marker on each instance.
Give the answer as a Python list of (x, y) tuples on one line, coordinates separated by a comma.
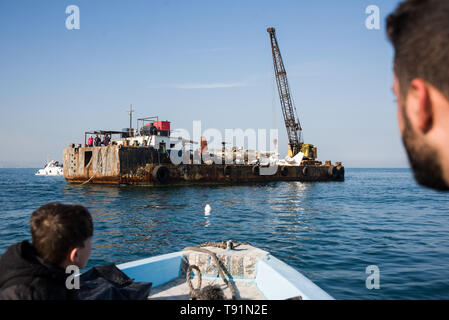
[(419, 32), (57, 228)]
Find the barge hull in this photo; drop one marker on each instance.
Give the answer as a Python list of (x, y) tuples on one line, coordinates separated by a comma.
[(117, 164)]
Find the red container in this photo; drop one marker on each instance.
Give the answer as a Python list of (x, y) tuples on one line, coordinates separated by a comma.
[(162, 125)]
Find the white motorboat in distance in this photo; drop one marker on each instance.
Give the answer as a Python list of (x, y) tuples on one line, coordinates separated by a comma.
[(52, 168)]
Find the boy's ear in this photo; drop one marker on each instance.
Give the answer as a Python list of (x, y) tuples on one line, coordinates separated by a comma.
[(73, 256)]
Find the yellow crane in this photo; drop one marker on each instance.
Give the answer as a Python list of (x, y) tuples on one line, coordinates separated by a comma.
[(292, 124)]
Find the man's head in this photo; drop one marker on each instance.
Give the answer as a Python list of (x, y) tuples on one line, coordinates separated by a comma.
[(61, 234), (419, 32)]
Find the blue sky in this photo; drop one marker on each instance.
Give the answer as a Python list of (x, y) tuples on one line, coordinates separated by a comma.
[(196, 60)]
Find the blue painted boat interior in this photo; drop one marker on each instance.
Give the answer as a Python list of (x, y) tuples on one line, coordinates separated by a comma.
[(158, 270), (274, 279)]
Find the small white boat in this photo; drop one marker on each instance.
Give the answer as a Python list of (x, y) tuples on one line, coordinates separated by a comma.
[(52, 168), (241, 271)]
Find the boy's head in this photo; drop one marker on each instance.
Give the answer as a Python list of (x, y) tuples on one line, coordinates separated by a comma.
[(61, 234)]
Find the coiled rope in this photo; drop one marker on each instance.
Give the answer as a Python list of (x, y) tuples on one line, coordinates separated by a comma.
[(220, 268)]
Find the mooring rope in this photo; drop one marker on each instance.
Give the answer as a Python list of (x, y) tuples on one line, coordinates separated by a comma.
[(189, 282), (220, 268), (88, 180), (223, 244)]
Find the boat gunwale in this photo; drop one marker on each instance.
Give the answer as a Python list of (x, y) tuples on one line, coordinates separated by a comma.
[(298, 285)]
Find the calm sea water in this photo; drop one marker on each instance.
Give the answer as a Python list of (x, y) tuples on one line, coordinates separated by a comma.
[(328, 231)]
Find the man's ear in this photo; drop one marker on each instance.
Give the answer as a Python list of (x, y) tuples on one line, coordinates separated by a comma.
[(419, 107)]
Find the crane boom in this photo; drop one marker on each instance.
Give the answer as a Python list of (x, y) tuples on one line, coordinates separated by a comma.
[(294, 130)]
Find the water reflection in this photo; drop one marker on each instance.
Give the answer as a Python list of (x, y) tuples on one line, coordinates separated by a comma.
[(206, 222)]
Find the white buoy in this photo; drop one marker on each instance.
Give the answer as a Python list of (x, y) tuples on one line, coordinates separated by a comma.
[(207, 209)]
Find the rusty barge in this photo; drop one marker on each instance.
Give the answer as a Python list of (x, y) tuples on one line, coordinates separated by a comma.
[(142, 165), (145, 156), (147, 159)]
